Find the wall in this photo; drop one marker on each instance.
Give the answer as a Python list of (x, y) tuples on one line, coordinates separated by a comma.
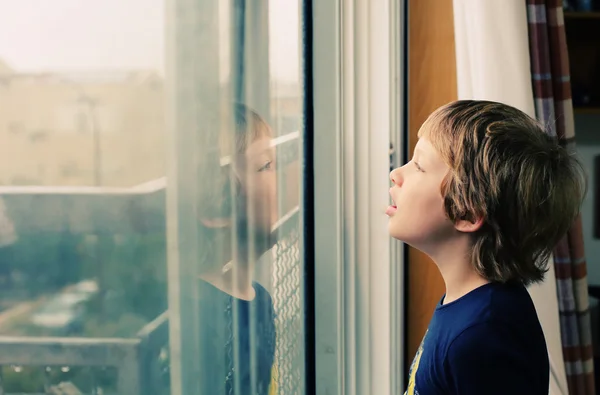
[(587, 133), (431, 83), (50, 121)]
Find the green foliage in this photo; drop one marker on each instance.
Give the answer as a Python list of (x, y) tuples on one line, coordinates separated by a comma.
[(126, 326), (30, 379), (131, 272)]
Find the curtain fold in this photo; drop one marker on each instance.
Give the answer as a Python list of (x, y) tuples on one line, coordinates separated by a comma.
[(492, 54), (553, 105), (515, 52)]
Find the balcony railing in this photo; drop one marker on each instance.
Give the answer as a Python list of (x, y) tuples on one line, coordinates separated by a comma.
[(53, 225), (136, 360)]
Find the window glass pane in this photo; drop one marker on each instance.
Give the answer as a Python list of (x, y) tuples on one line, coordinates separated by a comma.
[(286, 87), (150, 156), (82, 189), (234, 187)]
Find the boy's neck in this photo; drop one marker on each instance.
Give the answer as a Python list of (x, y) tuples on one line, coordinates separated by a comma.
[(459, 283), (454, 263), (234, 277)]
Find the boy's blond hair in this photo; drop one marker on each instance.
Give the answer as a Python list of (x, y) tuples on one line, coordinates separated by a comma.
[(505, 169)]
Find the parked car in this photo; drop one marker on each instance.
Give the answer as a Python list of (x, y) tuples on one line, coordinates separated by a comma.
[(64, 313)]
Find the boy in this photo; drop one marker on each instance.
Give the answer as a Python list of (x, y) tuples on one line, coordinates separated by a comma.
[(237, 319), (487, 195)]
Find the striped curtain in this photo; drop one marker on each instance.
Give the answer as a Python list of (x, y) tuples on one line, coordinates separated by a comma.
[(552, 94)]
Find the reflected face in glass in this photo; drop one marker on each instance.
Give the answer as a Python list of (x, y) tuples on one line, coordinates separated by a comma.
[(258, 181)]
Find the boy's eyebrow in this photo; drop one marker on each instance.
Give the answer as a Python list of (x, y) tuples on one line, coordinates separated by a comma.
[(420, 152), (422, 161)]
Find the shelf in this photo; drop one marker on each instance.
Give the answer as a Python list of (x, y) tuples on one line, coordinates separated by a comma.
[(586, 110), (582, 15)]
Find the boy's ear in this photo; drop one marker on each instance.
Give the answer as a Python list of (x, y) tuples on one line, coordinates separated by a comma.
[(216, 223), (469, 225)]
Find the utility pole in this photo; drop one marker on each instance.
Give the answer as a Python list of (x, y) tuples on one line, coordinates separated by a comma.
[(91, 105)]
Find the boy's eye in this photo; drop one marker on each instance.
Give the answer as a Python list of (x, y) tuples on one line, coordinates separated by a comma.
[(266, 166), (418, 167)]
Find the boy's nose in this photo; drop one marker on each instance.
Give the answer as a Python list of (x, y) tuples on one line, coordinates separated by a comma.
[(396, 176)]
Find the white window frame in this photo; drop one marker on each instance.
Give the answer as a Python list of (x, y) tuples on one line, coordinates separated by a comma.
[(358, 271)]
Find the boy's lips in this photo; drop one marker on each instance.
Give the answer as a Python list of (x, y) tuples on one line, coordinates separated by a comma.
[(392, 208)]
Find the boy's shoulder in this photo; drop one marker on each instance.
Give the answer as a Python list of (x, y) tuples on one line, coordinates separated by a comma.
[(492, 301), (492, 305), (494, 330), (261, 292)]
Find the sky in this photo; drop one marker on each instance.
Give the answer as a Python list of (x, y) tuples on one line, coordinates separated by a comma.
[(94, 35)]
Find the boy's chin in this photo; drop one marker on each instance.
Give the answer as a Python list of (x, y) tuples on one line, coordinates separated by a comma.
[(396, 233), (403, 237), (403, 240)]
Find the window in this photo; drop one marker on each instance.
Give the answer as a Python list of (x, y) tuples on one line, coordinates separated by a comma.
[(175, 276), (237, 174)]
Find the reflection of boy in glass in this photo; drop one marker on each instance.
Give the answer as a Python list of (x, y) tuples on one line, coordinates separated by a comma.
[(237, 315)]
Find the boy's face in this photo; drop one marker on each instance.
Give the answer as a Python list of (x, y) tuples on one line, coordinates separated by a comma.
[(417, 215), (259, 186)]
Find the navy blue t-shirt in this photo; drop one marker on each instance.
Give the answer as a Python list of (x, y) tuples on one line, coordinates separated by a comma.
[(238, 339), (488, 342)]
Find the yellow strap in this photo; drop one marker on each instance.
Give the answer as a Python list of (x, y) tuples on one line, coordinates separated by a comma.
[(273, 387)]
